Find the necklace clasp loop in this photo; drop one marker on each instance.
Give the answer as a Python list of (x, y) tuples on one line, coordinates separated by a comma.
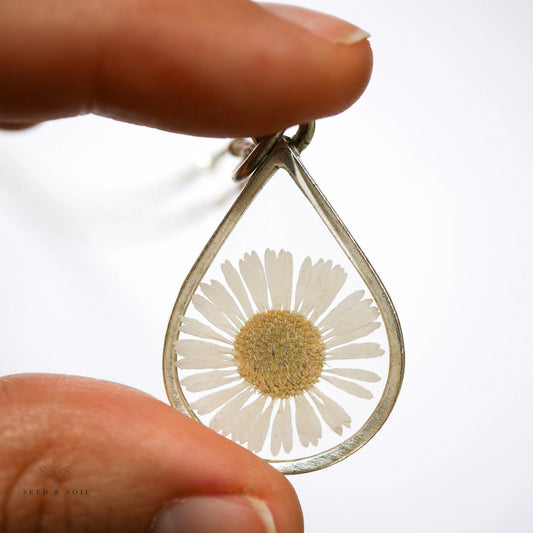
[(254, 153)]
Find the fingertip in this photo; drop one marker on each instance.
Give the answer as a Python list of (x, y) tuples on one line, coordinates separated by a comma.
[(333, 29)]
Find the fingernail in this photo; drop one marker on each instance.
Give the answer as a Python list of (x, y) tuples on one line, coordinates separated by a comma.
[(214, 514), (328, 27)]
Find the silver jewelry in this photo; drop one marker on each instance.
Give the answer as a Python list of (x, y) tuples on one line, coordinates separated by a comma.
[(277, 351)]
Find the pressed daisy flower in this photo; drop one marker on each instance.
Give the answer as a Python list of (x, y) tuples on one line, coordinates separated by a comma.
[(268, 347)]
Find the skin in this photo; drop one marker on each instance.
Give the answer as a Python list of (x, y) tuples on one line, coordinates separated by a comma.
[(203, 67)]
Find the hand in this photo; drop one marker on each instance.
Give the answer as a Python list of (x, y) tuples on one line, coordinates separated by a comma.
[(204, 67)]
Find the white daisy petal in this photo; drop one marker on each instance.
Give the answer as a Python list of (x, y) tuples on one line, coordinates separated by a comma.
[(225, 419), (363, 350), (253, 274), (349, 386), (234, 281), (349, 320), (278, 271), (187, 347), (216, 399), (286, 266), (277, 428), (354, 373), (358, 317), (199, 329), (209, 380), (332, 413), (329, 321), (302, 283), (282, 429), (327, 282), (213, 314), (205, 362), (352, 335), (222, 299), (332, 283), (273, 277), (259, 430), (318, 272), (307, 423), (242, 429)]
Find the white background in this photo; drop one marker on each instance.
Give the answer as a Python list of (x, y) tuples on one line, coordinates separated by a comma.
[(97, 232)]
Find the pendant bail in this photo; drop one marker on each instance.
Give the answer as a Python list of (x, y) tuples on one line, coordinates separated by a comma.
[(255, 153)]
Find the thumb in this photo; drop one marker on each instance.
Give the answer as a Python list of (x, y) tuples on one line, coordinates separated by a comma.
[(86, 455)]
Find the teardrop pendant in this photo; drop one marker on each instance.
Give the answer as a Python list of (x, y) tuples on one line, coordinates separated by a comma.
[(277, 354)]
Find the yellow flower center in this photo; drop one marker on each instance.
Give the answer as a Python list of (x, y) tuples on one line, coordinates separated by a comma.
[(281, 353)]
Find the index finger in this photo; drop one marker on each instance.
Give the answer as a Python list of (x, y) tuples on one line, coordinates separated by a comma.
[(231, 68)]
